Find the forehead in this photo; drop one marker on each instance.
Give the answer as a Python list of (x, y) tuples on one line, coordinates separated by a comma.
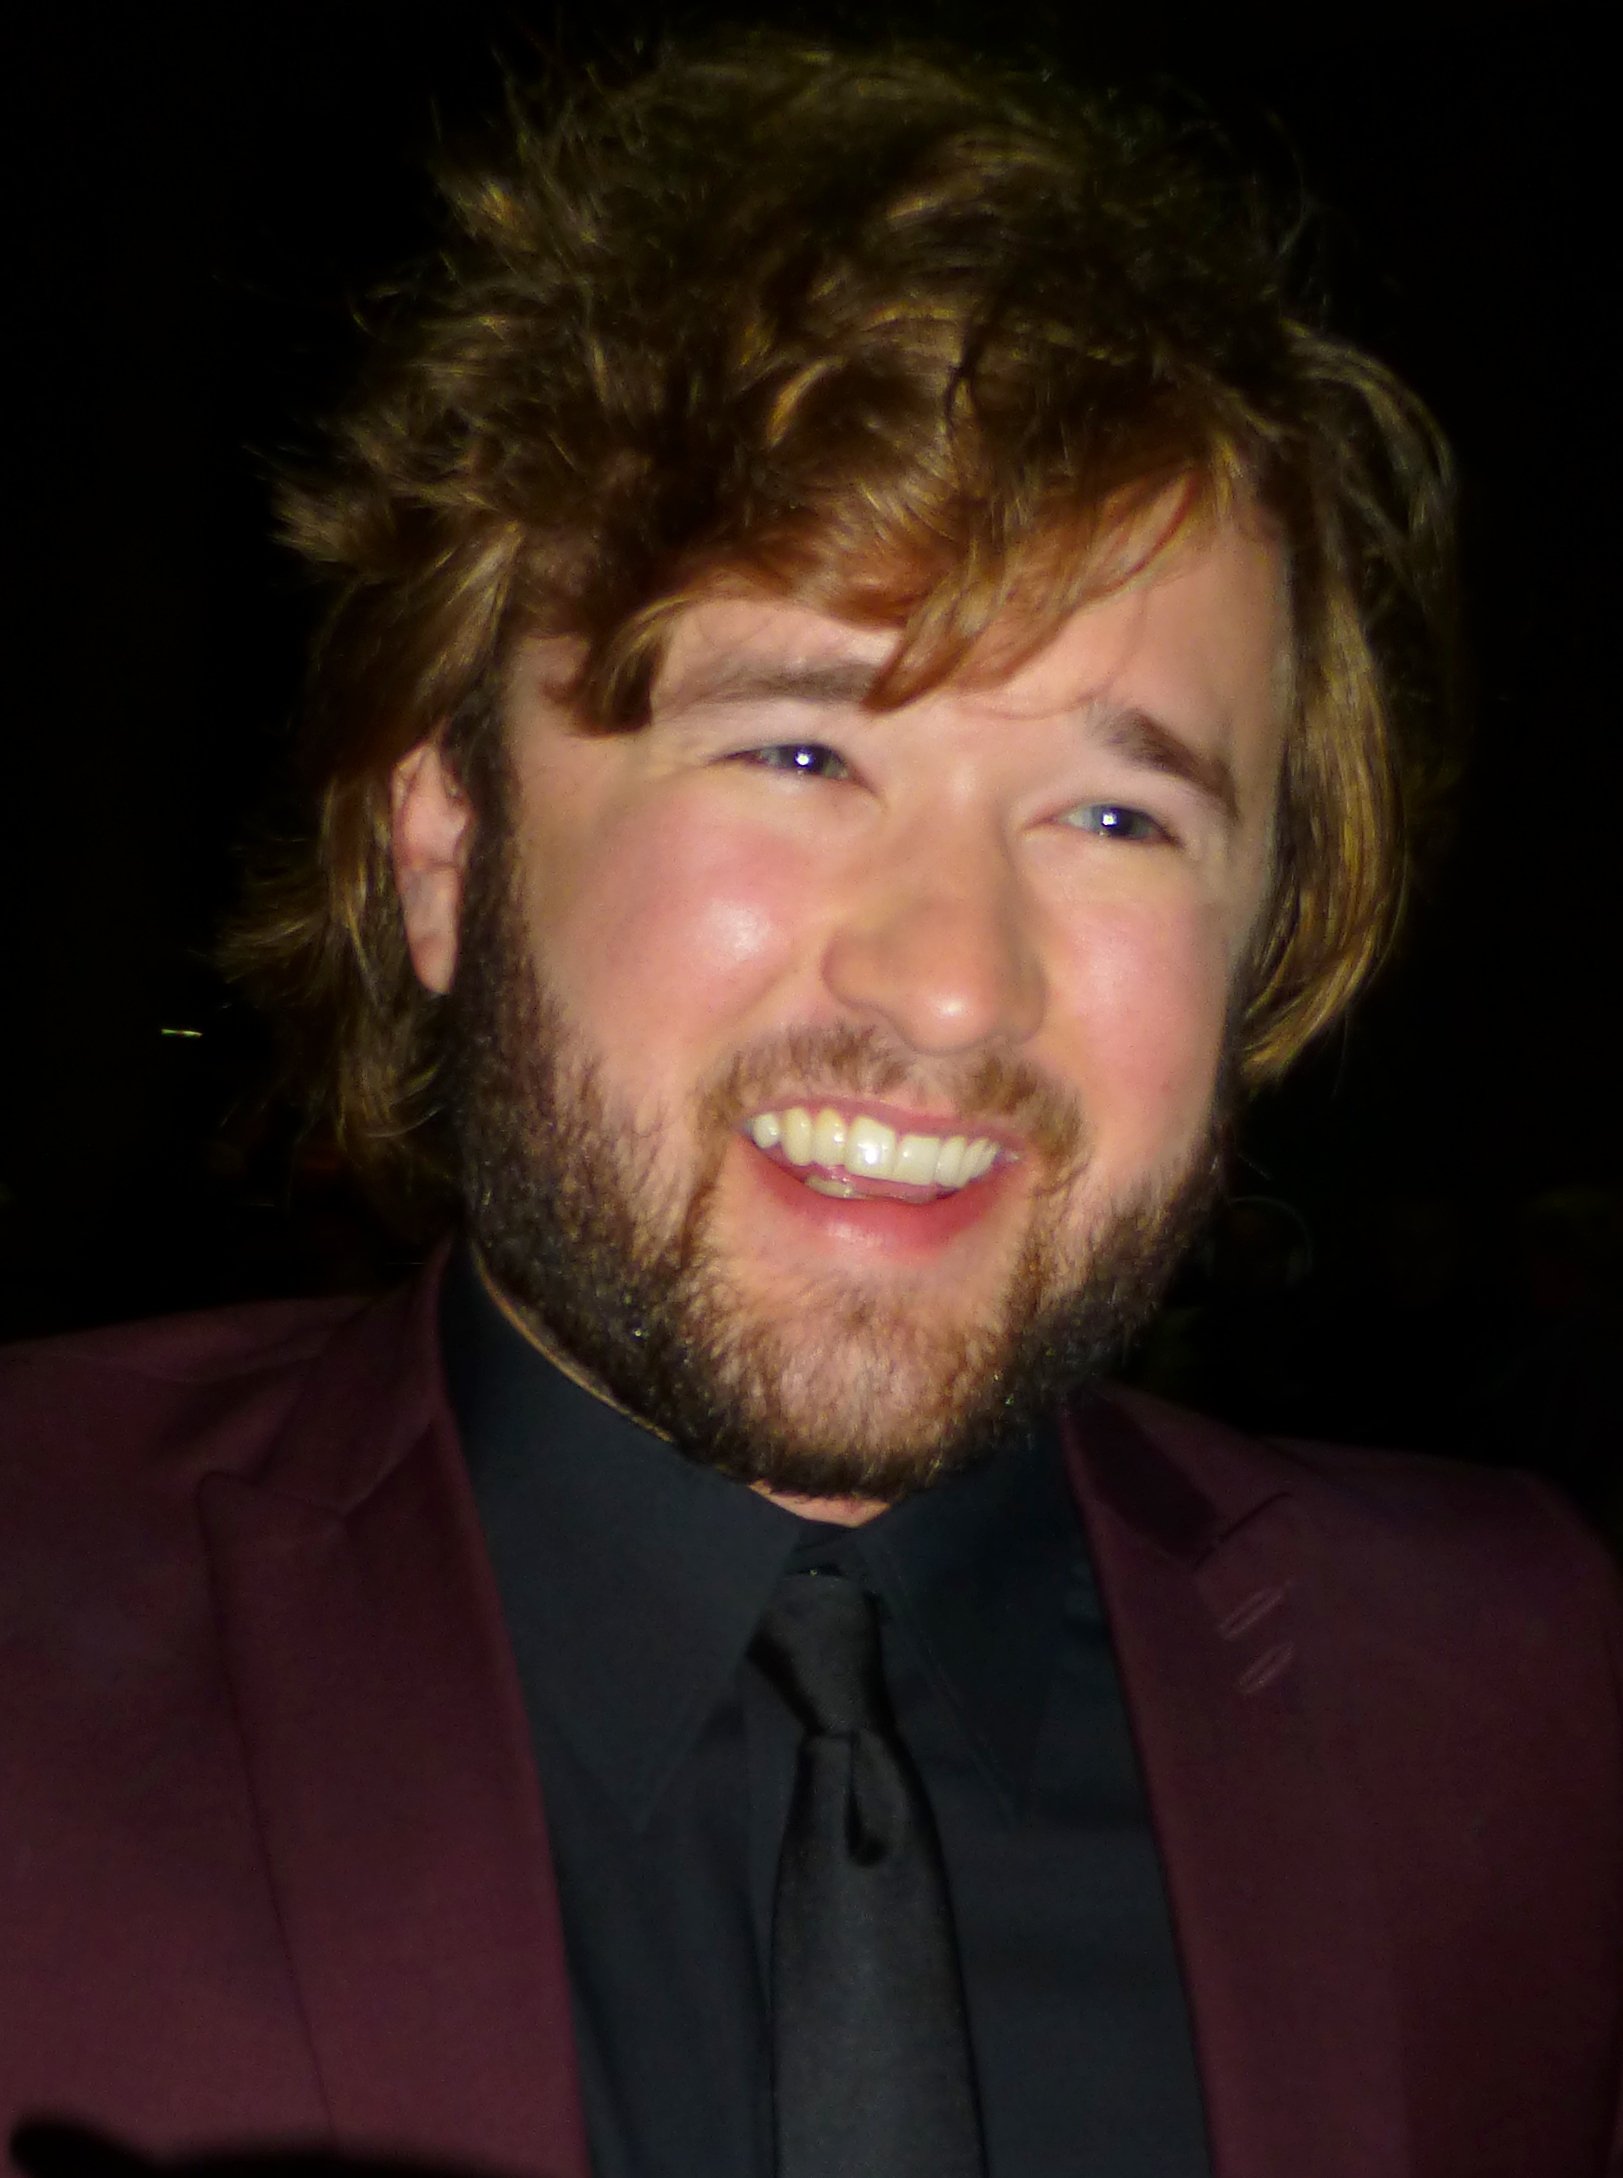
[(1201, 631)]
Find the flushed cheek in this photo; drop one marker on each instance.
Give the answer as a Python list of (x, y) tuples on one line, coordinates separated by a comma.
[(1141, 1007), (670, 936)]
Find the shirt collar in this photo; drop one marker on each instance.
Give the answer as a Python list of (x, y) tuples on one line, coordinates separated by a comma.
[(633, 1578)]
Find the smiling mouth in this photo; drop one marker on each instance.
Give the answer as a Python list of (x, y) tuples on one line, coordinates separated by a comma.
[(850, 1157)]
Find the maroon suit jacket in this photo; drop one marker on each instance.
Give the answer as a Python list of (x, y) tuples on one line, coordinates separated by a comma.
[(274, 1865)]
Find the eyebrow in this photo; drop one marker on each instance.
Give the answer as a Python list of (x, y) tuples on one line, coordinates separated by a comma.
[(828, 682), (1148, 741), (834, 683)]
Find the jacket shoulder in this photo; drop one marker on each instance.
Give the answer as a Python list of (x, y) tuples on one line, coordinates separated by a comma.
[(198, 1348), (1352, 1482), (194, 1392), (1416, 1534)]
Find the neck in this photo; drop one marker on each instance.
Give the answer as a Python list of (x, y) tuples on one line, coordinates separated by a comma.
[(840, 1512)]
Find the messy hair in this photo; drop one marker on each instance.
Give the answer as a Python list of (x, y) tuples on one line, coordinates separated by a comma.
[(894, 335)]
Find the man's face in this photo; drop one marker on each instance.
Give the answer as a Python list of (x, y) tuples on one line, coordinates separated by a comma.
[(832, 1081)]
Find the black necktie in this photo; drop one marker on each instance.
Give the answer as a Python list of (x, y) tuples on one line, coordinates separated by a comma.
[(872, 2075)]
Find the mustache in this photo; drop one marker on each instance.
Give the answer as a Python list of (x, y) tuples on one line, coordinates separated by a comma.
[(847, 1059)]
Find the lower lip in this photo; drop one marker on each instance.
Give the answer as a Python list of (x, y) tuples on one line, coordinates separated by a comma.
[(879, 1224)]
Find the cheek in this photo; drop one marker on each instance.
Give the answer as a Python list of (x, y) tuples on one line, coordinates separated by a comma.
[(669, 924), (1144, 1000)]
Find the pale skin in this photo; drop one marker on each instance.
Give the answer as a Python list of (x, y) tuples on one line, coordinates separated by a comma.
[(1062, 866)]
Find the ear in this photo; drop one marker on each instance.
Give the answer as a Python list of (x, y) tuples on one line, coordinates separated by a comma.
[(430, 832)]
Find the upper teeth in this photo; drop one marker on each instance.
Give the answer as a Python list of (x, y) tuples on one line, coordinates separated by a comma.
[(871, 1150)]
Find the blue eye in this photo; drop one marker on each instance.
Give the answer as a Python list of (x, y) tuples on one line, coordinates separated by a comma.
[(807, 759), (1116, 820)]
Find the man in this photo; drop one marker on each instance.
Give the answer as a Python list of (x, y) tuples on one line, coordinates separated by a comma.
[(865, 697)]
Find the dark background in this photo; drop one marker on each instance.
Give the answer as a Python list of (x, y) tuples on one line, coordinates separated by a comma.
[(1427, 1249)]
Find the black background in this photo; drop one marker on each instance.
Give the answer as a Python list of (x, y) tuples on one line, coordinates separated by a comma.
[(197, 198)]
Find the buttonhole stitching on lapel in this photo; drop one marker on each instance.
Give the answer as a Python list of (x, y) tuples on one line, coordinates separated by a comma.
[(1266, 1668), (1245, 1615)]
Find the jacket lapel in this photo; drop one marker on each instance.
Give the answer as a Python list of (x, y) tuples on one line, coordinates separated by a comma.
[(389, 1759), (1210, 1592)]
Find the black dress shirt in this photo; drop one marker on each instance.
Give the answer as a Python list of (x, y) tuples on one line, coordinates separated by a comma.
[(632, 1581)]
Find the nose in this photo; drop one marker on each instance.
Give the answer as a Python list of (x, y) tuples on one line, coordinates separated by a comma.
[(937, 942)]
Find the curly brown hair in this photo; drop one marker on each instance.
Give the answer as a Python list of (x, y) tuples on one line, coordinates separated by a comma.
[(891, 333)]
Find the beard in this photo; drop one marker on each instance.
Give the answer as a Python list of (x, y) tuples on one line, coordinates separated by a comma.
[(826, 1386)]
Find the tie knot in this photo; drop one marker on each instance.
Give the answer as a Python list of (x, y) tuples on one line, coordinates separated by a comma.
[(819, 1644)]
